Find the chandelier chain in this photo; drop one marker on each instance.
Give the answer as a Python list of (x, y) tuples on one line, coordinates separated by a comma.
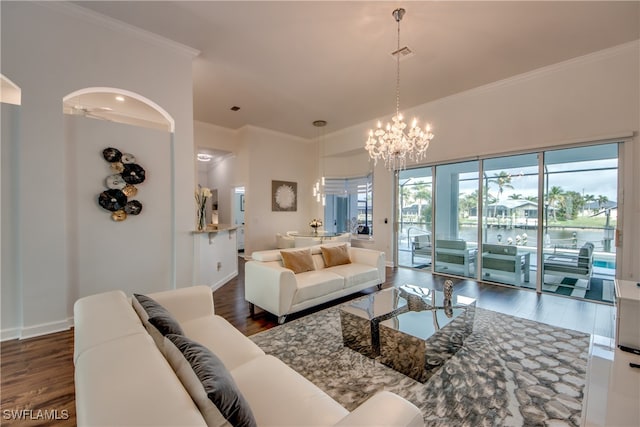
[(397, 141), (398, 17)]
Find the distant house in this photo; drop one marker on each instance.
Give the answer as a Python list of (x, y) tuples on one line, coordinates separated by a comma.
[(516, 210)]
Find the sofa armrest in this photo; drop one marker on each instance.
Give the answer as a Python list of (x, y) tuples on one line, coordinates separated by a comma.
[(384, 409), (186, 303), (370, 257), (269, 286)]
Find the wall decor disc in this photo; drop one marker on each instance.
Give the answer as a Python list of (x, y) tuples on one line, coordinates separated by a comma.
[(112, 200), (128, 158), (119, 215), (117, 167), (130, 190), (133, 173), (133, 207), (115, 182), (111, 154)]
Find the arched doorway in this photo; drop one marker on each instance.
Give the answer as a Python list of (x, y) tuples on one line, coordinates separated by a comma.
[(134, 251)]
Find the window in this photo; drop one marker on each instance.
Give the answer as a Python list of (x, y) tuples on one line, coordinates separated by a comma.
[(349, 205)]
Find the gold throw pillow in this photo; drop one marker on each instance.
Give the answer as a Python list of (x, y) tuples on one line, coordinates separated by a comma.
[(298, 261), (335, 255)]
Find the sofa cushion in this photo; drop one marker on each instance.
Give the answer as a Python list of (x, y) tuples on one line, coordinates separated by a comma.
[(214, 382), (335, 255), (219, 336), (500, 249), (126, 381), (279, 396), (158, 316), (314, 284), (104, 317), (299, 261), (356, 274)]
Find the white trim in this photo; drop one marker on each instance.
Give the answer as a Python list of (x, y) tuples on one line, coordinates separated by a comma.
[(223, 281), (276, 133), (46, 328), (9, 334), (543, 71), (144, 100), (119, 26)]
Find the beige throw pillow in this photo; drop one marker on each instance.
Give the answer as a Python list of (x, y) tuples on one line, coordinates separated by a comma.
[(335, 255), (298, 261)]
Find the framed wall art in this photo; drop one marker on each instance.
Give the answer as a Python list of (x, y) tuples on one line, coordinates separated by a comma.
[(284, 196)]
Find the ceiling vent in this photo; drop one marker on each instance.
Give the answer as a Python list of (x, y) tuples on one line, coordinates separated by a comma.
[(403, 52)]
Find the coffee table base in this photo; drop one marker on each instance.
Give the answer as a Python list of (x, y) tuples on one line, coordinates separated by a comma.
[(418, 358)]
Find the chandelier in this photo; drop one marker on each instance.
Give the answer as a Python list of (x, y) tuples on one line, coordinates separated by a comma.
[(394, 144)]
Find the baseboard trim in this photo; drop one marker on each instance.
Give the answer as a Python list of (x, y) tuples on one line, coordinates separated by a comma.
[(9, 334), (224, 280), (45, 328)]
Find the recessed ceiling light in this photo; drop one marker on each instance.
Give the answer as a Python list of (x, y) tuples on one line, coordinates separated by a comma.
[(204, 157), (120, 98), (235, 108)]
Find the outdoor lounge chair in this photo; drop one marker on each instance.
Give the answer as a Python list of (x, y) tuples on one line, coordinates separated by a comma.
[(506, 261), (421, 247), (579, 266), (455, 254)]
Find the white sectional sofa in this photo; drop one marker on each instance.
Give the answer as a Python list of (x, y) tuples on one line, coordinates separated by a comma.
[(280, 291), (123, 379)]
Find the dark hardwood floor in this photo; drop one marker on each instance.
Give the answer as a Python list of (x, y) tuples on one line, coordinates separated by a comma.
[(37, 374)]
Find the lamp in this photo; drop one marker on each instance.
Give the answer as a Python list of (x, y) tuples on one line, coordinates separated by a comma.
[(393, 144), (318, 188)]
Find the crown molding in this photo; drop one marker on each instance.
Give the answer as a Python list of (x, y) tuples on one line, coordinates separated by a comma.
[(543, 71), (275, 133), (119, 26)]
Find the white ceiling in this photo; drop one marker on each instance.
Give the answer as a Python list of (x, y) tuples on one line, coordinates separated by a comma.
[(287, 64)]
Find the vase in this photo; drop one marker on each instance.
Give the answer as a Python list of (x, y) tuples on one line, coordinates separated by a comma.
[(202, 220), (448, 291)]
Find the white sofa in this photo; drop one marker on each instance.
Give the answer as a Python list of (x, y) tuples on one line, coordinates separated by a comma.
[(122, 378), (279, 291)]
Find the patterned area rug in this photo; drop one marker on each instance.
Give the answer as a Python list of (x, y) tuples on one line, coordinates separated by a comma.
[(598, 290), (509, 372)]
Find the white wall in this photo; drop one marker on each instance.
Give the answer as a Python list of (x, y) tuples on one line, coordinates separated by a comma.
[(49, 51), (276, 156), (219, 258), (133, 255), (586, 99), (260, 156), (9, 262)]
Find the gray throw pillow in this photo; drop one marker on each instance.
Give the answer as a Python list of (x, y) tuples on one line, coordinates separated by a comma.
[(216, 381), (159, 316)]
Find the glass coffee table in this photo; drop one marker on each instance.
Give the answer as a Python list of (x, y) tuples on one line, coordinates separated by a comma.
[(410, 328)]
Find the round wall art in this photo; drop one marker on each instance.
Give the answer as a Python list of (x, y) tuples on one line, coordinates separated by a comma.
[(121, 183)]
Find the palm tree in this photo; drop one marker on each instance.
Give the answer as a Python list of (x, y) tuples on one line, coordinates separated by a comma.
[(588, 198), (515, 196), (502, 180), (422, 192), (554, 197), (602, 201)]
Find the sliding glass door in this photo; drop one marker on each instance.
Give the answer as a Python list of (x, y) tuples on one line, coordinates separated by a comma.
[(414, 217), (456, 219), (580, 215), (542, 221), (510, 215)]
